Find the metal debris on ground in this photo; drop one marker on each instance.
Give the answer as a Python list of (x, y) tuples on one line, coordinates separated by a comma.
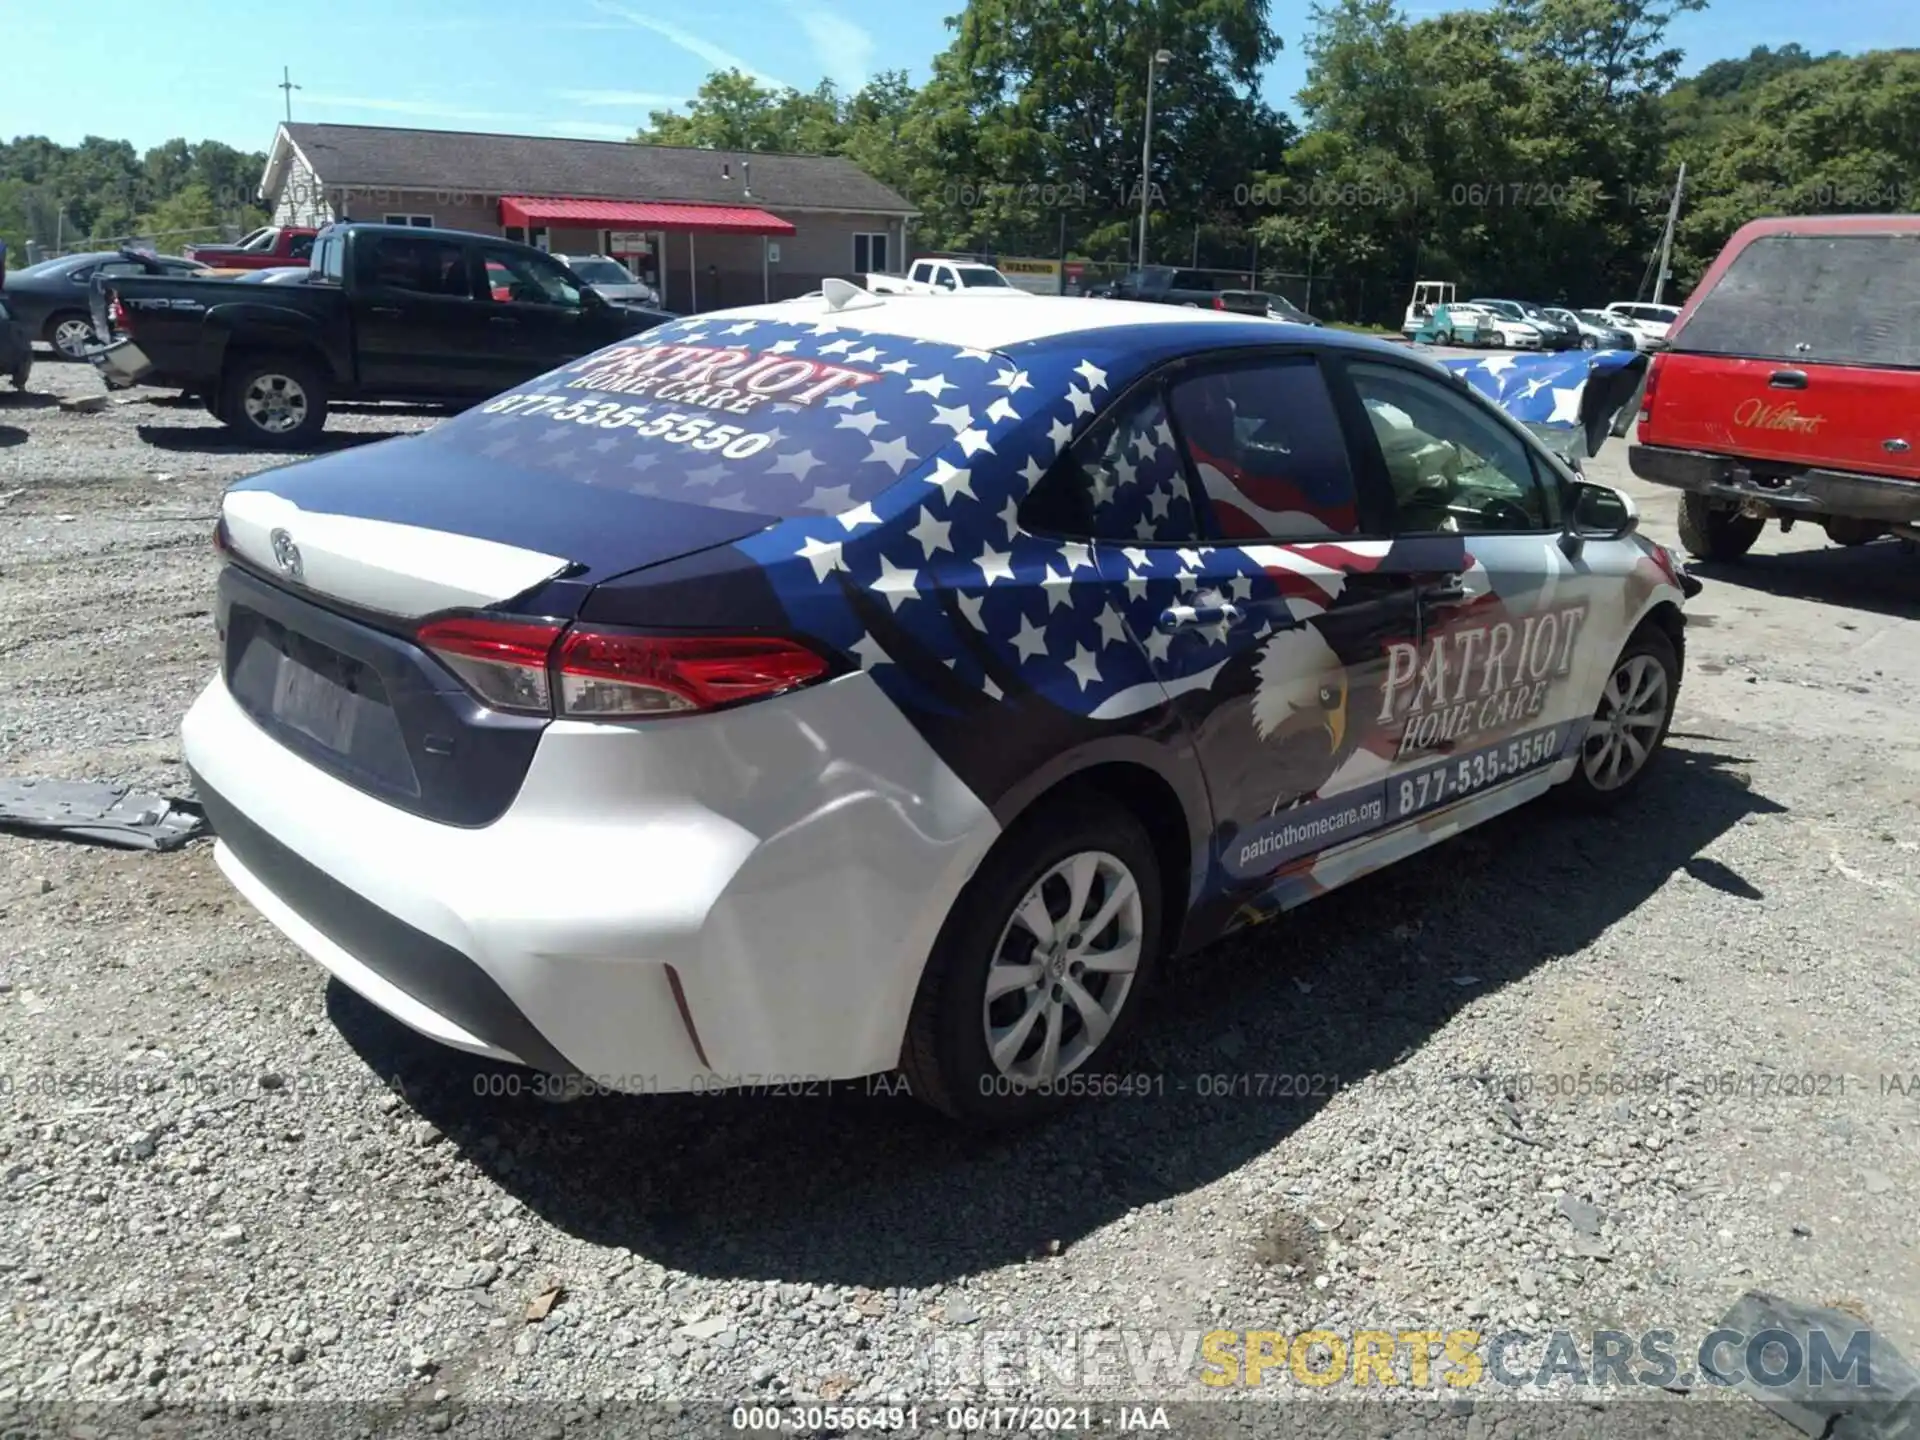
[(108, 814), (1877, 1399)]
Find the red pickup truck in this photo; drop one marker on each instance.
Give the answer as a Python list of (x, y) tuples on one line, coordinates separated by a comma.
[(264, 249), (1791, 390)]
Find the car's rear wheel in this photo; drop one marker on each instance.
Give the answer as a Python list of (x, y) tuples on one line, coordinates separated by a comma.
[(1711, 531), (275, 400), (1038, 974), (1630, 724), (69, 333)]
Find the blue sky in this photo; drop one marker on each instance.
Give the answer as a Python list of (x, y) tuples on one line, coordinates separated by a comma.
[(591, 68)]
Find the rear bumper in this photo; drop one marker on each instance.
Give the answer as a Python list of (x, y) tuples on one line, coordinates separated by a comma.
[(1809, 492), (122, 364), (650, 912)]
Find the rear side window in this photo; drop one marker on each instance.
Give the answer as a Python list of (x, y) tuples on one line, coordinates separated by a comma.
[(1122, 481), (424, 267), (1843, 299), (759, 416)]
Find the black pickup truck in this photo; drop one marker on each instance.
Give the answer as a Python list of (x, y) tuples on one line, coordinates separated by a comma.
[(386, 312)]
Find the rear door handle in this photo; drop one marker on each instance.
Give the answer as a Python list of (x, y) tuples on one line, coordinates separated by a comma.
[(1895, 447), (1788, 380), (1185, 617), (1451, 591)]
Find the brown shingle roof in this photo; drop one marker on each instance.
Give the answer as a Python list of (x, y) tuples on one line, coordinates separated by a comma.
[(379, 157)]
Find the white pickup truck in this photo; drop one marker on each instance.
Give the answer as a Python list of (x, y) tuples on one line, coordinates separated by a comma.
[(943, 277)]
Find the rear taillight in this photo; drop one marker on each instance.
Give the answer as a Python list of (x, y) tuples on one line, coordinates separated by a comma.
[(1219, 302), (607, 675), (221, 544), (1653, 383), (540, 668), (504, 662), (118, 314)]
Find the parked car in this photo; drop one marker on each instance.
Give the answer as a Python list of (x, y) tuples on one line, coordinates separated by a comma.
[(1454, 324), (1426, 295), (16, 347), (389, 312), (1599, 330), (1262, 302), (1787, 392), (1650, 322), (1164, 285), (51, 299), (1023, 721), (955, 275), (268, 248), (611, 279), (1559, 334), (1546, 333)]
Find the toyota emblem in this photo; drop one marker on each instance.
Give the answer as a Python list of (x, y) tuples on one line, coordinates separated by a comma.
[(286, 554)]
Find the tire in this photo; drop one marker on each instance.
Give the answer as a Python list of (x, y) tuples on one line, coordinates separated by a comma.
[(21, 375), (1589, 342), (1711, 533), (1615, 757), (279, 401), (947, 1058), (69, 332)]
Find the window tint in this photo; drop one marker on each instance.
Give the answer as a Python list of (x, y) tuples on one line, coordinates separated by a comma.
[(870, 252), (1266, 444), (425, 267), (522, 279), (922, 272), (327, 259), (300, 247), (977, 277), (1122, 481), (1452, 465)]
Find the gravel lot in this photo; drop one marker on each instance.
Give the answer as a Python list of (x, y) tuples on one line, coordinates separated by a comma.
[(223, 1179)]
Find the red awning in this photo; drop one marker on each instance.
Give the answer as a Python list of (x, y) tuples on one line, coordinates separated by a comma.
[(640, 215)]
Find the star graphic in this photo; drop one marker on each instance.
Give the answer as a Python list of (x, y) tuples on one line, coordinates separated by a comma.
[(870, 653), (796, 464), (995, 564), (1076, 555), (1033, 471), (1532, 388), (1499, 364), (1081, 400), (831, 498), (838, 347), (865, 422), (1113, 627), (1002, 409), (953, 479), (1138, 558), (1157, 645), (931, 533), (892, 452), (1241, 587), (711, 475), (858, 516), (845, 400), (1085, 666), (1159, 502), (741, 328), (783, 347), (735, 501), (993, 691), (956, 419), (601, 447), (974, 441), (1010, 516), (1060, 432), (863, 357), (896, 582), (976, 354), (970, 606), (1030, 640), (1095, 377), (896, 367), (1566, 406), (1012, 381), (823, 555), (1191, 557), (934, 385), (1058, 588), (1186, 578), (1137, 586)]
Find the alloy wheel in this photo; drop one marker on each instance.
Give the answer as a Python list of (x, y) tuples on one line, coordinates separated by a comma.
[(1625, 727), (275, 404), (1063, 968), (71, 338)]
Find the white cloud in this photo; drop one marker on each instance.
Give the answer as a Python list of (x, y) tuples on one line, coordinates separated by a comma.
[(624, 99), (844, 49), (714, 55)]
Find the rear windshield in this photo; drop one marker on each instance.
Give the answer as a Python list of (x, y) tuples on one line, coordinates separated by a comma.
[(1842, 299), (759, 416)]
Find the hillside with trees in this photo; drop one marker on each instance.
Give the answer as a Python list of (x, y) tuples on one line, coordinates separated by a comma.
[(101, 191)]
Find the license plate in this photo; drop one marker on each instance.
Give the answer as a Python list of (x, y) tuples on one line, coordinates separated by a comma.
[(315, 704)]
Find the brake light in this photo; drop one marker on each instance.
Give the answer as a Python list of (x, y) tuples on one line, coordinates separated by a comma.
[(540, 668), (1219, 302), (1653, 383), (607, 675), (118, 314), (504, 662)]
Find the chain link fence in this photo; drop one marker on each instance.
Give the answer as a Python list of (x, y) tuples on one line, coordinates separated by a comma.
[(1337, 299)]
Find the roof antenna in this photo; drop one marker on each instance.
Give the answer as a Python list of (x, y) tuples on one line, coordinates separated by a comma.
[(844, 295)]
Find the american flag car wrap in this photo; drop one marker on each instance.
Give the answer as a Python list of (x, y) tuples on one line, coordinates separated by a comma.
[(1539, 389)]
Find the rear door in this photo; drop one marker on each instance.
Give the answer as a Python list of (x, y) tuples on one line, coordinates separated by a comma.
[(419, 328), (537, 314), (1806, 350)]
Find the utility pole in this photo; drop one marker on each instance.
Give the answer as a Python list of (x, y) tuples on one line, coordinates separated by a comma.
[(1666, 241), (287, 87), (1154, 62)]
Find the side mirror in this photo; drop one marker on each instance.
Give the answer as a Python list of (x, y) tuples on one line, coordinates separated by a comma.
[(1598, 512)]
